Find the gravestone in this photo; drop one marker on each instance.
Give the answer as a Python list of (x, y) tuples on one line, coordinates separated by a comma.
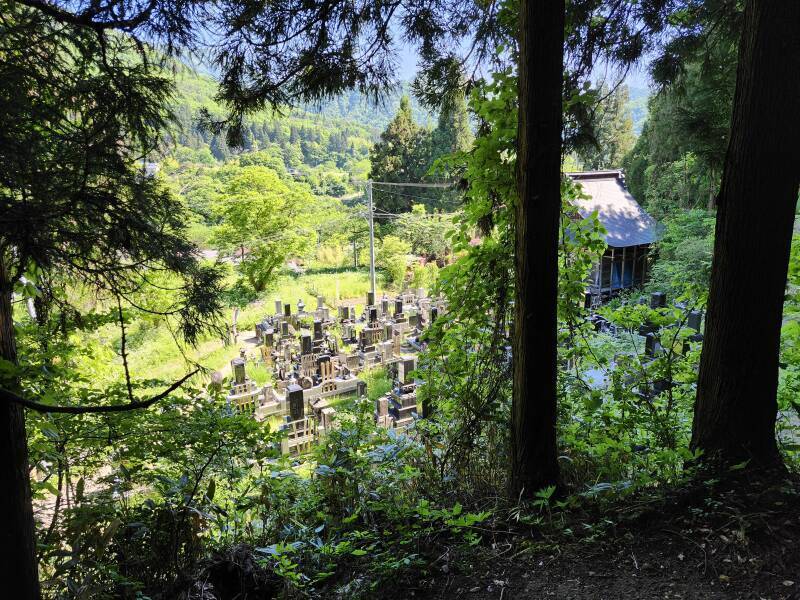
[(238, 370), (398, 306), (658, 300), (647, 328), (651, 345), (404, 368), (278, 307), (296, 408), (317, 330), (693, 320), (287, 310), (382, 407), (305, 344), (397, 342), (370, 298)]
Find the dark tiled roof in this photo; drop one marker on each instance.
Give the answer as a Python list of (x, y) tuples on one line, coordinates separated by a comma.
[(627, 223)]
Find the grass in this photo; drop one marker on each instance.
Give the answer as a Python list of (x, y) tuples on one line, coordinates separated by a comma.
[(259, 373), (378, 382), (153, 353)]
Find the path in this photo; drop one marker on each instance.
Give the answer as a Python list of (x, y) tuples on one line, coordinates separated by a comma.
[(698, 543)]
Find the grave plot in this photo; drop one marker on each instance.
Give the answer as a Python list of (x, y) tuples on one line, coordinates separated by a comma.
[(316, 360), (653, 341)]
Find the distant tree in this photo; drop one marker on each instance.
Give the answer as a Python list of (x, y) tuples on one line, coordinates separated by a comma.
[(401, 155), (426, 232), (392, 257), (453, 132), (677, 160), (270, 158), (684, 251), (260, 222), (219, 149), (613, 131), (407, 153)]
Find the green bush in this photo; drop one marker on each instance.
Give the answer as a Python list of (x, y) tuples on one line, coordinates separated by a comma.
[(392, 257)]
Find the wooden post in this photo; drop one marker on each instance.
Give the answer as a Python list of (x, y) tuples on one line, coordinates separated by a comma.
[(611, 282), (624, 255)]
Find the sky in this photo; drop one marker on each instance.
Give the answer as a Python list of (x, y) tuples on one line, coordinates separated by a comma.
[(407, 59)]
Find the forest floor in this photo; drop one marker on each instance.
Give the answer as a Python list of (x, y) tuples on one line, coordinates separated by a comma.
[(738, 540)]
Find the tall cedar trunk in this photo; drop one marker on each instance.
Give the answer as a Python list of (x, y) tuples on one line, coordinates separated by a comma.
[(735, 409), (18, 568), (541, 51)]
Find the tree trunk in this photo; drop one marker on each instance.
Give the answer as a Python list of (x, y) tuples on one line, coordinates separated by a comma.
[(712, 197), (736, 407), (18, 567), (538, 210)]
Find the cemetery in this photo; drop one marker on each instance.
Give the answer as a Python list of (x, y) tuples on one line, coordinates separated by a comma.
[(315, 358)]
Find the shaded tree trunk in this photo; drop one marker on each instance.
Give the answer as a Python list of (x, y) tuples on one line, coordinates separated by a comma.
[(736, 407), (18, 567), (538, 209), (712, 196)]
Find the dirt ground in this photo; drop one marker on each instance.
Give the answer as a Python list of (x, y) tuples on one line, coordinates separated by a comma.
[(737, 541)]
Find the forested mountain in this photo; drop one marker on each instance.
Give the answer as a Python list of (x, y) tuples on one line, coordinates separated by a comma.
[(303, 140), (677, 160), (637, 104), (354, 106)]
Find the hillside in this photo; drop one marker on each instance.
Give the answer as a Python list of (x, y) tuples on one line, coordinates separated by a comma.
[(336, 133), (637, 104)]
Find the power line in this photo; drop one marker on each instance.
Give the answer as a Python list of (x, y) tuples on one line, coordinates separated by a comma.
[(406, 195), (419, 185), (371, 215)]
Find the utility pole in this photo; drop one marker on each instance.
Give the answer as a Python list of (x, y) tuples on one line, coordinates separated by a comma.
[(371, 220), (371, 239)]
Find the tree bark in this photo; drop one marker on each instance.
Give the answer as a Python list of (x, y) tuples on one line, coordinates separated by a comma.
[(537, 215), (736, 406), (18, 566)]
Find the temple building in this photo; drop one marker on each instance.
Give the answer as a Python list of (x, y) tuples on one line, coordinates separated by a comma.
[(630, 232)]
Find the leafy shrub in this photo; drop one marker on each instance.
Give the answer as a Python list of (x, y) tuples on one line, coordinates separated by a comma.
[(392, 257)]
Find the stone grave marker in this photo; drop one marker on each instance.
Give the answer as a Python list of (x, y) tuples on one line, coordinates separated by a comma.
[(296, 408)]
